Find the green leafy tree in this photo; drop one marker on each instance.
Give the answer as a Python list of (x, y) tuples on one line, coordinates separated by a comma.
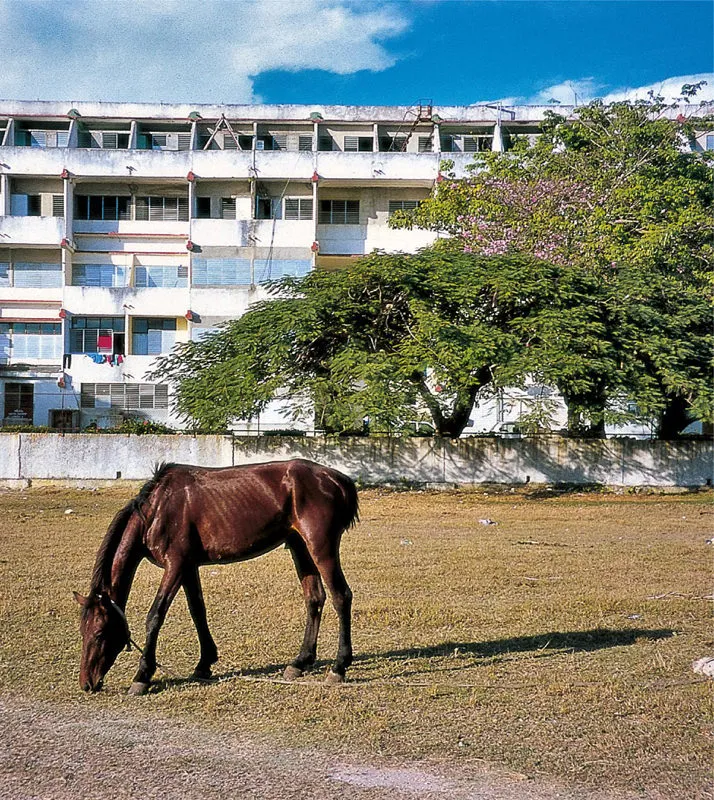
[(389, 338), (614, 199)]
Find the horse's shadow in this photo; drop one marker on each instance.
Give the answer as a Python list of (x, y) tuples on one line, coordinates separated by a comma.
[(540, 645)]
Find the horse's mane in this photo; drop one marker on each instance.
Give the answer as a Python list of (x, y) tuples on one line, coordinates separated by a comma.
[(101, 576)]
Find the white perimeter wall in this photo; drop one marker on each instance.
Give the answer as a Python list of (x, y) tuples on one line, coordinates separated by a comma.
[(623, 462)]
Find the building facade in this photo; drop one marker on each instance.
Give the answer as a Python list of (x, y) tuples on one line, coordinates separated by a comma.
[(126, 228)]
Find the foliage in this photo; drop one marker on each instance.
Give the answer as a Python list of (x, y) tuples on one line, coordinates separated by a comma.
[(132, 425), (614, 200), (390, 335)]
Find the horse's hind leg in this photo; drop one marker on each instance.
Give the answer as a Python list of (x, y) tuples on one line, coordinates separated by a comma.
[(197, 607), (341, 595), (314, 593)]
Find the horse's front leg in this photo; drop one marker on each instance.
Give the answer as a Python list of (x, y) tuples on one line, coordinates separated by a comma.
[(197, 607), (157, 614)]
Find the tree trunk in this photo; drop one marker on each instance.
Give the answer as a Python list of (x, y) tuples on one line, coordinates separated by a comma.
[(580, 406)]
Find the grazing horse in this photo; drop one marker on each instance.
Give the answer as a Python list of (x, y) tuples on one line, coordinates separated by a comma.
[(185, 517)]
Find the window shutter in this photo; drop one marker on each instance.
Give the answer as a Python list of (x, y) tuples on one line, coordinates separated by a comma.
[(62, 138), (183, 209), (291, 208), (228, 207), (305, 143), (87, 395), (109, 141), (351, 144), (229, 143), (38, 139), (280, 141), (352, 212), (142, 208), (470, 144), (38, 276), (184, 141), (4, 273), (57, 205), (426, 144)]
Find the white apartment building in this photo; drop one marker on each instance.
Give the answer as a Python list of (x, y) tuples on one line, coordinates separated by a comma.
[(125, 228)]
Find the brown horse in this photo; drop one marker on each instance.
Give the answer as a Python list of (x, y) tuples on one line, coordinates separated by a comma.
[(185, 517)]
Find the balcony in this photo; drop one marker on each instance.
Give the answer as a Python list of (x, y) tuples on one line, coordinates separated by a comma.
[(31, 231), (104, 301)]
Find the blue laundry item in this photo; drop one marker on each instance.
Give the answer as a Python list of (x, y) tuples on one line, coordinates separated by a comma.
[(98, 358)]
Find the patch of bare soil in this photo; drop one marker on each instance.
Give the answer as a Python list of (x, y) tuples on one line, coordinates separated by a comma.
[(61, 753)]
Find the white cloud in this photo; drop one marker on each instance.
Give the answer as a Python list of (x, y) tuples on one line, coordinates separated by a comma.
[(183, 50), (583, 90)]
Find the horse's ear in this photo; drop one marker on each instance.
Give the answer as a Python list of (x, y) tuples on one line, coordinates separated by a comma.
[(81, 599)]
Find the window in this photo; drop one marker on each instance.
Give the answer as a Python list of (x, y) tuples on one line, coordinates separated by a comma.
[(449, 144), (162, 209), (34, 340), (228, 207), (402, 205), (339, 212), (57, 205), (174, 277), (110, 276), (26, 205), (426, 144), (103, 335), (102, 207), (37, 275), (393, 144), (276, 141), (272, 269), (221, 272), (244, 142), (106, 140), (477, 144), (39, 138), (298, 208), (305, 143), (203, 207), (125, 396), (19, 401), (325, 143), (709, 142), (4, 273), (152, 336), (359, 144)]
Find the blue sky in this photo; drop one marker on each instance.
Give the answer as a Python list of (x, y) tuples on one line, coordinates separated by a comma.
[(352, 52)]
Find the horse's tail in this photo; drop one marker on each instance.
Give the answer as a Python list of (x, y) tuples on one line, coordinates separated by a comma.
[(101, 576), (349, 513)]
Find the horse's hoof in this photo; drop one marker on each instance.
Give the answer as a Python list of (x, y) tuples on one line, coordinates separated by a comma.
[(334, 678), (138, 688), (201, 675), (291, 673)]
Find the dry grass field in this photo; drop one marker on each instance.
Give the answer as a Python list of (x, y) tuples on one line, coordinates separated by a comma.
[(557, 642)]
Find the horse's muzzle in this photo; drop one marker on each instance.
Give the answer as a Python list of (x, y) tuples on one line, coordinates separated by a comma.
[(88, 686)]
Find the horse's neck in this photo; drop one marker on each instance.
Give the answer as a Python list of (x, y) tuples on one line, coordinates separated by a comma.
[(124, 562)]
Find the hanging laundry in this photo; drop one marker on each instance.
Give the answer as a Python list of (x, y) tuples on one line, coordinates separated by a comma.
[(98, 358), (104, 342), (120, 359)]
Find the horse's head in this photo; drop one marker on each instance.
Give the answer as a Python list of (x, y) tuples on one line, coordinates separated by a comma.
[(104, 633)]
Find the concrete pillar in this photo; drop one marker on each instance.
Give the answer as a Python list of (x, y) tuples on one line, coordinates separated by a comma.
[(4, 194)]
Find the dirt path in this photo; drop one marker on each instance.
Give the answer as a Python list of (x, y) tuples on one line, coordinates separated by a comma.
[(50, 752)]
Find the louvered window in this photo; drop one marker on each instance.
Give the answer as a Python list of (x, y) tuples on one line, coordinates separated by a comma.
[(339, 212), (31, 340), (278, 141), (426, 144), (228, 207), (125, 396), (402, 205), (358, 144), (152, 336), (162, 209), (229, 142), (57, 205), (104, 275), (273, 269), (102, 335), (298, 208), (477, 144), (184, 141), (4, 273), (305, 143), (171, 277), (221, 272), (111, 140), (37, 276), (102, 207)]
